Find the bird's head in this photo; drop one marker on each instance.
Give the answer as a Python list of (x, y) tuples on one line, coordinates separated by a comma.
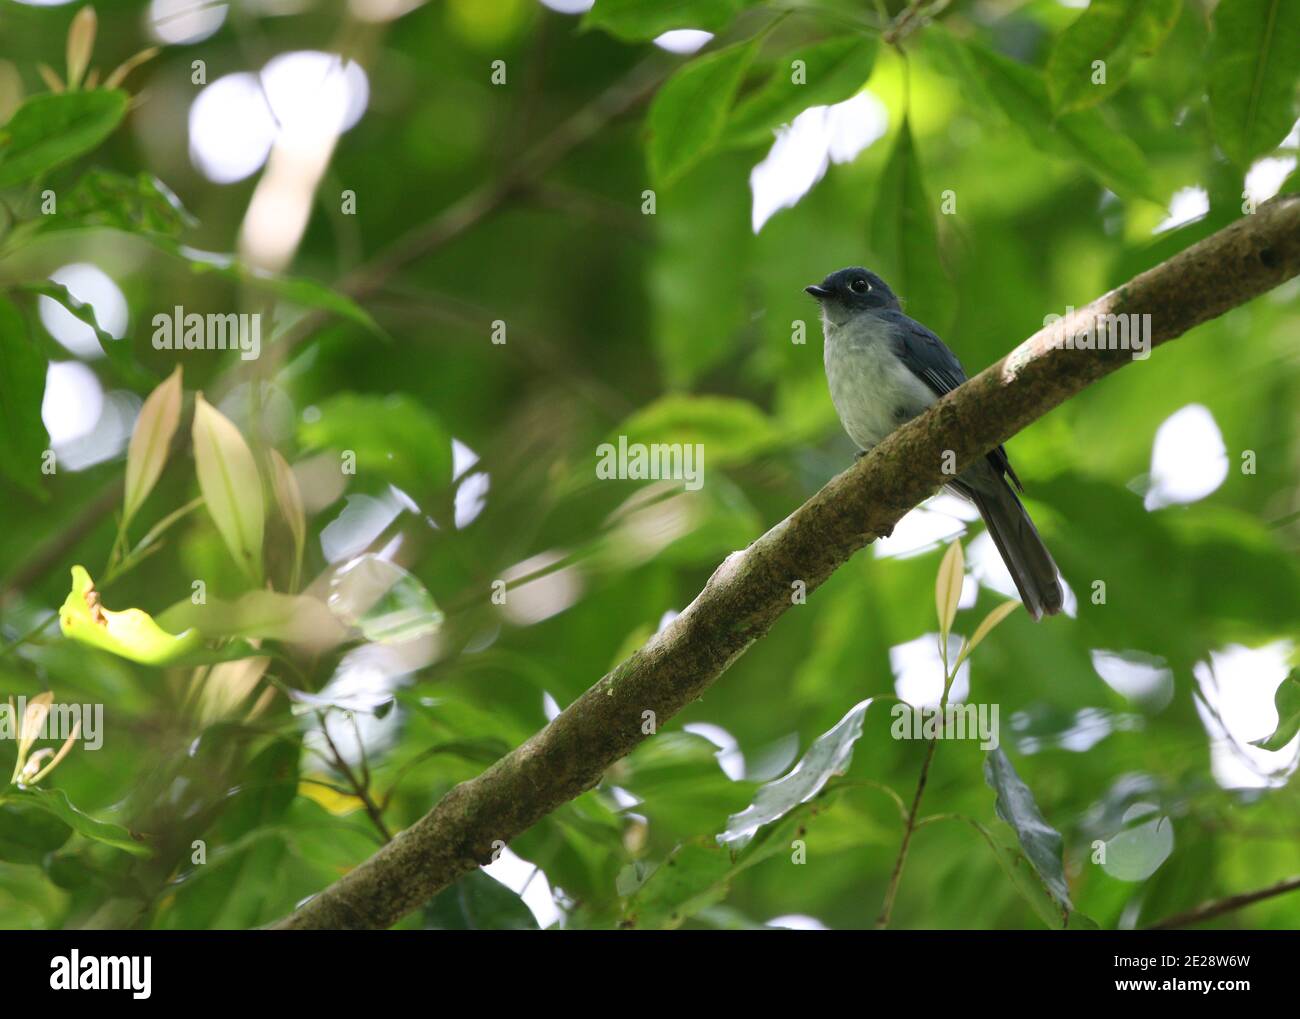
[(852, 291)]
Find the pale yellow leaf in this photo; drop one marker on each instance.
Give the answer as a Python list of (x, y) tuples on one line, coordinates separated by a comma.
[(50, 78), (986, 627), (289, 498), (128, 65), (150, 442), (231, 486), (947, 588), (81, 43)]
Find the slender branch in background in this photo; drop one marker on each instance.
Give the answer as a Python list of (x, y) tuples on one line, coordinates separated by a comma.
[(1218, 907), (358, 787), (750, 591), (639, 84), (909, 824)]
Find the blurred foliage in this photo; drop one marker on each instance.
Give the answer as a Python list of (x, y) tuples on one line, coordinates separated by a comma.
[(449, 347)]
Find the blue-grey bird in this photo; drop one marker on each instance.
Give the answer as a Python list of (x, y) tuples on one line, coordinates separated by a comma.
[(884, 368)]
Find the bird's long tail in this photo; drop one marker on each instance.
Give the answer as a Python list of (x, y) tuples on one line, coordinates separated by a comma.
[(1030, 564)]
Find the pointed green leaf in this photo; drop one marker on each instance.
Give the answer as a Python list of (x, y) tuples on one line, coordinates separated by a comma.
[(478, 902), (51, 129), (690, 111), (394, 437), (28, 833), (905, 239), (1083, 136), (818, 75), (730, 430), (1287, 702), (1115, 32), (55, 802), (829, 755), (1254, 65), (1041, 842)]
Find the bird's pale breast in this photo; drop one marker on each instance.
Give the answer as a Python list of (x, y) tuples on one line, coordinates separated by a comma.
[(873, 391)]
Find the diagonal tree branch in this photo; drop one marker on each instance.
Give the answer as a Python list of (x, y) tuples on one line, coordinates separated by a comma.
[(751, 589)]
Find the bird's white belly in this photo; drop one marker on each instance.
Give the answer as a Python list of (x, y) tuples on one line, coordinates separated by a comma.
[(873, 391)]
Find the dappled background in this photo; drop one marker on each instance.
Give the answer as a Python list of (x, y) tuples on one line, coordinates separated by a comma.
[(484, 238)]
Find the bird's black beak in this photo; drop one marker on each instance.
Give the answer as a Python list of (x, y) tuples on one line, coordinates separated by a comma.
[(818, 291)]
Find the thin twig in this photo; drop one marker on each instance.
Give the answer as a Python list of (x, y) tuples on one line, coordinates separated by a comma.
[(362, 793), (1218, 907)]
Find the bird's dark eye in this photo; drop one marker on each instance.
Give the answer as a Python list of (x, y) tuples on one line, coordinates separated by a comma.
[(860, 286)]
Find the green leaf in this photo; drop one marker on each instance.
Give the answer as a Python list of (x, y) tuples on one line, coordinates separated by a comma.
[(1026, 880), (635, 20), (1254, 64), (731, 431), (1041, 842), (104, 198), (303, 292), (690, 111), (394, 437), (51, 129), (904, 237), (231, 486), (28, 833), (1114, 31), (22, 388), (696, 875), (478, 902), (833, 70), (55, 802), (117, 351), (1287, 702), (1084, 136), (829, 755)]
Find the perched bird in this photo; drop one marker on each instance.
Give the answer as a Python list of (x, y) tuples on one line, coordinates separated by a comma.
[(884, 369)]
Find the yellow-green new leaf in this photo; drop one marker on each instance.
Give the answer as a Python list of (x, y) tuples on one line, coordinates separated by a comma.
[(231, 486), (986, 627), (131, 633), (947, 588), (29, 728), (288, 497), (150, 442), (81, 42)]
